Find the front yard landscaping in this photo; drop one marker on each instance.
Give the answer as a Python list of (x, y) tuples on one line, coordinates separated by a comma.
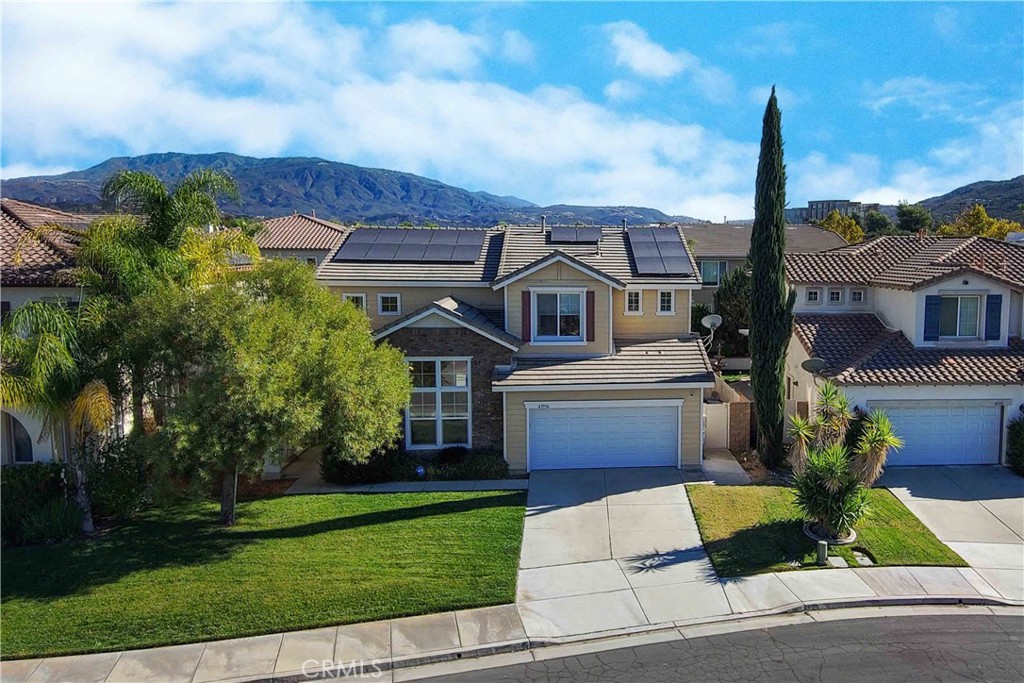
[(756, 529), (294, 562)]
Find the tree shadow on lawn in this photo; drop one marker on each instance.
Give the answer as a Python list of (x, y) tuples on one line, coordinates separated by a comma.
[(760, 548), (180, 538)]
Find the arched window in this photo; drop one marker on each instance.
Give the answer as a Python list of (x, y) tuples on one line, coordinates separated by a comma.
[(17, 444)]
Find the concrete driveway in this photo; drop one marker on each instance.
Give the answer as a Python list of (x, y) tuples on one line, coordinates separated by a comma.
[(976, 511), (612, 549)]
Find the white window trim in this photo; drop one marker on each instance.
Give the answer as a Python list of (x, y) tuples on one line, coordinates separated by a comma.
[(380, 303), (537, 340), (978, 324), (348, 296), (672, 310), (863, 296), (625, 302), (835, 290), (807, 297), (437, 391)]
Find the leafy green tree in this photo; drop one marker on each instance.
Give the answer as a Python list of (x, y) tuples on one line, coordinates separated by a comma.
[(975, 221), (42, 374), (912, 217), (732, 302), (771, 302), (877, 223), (844, 226)]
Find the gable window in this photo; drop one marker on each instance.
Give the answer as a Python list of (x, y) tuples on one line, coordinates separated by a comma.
[(358, 300), (835, 296), (856, 296), (711, 272), (558, 316), (389, 304), (814, 296), (634, 303), (439, 407), (666, 302), (958, 316)]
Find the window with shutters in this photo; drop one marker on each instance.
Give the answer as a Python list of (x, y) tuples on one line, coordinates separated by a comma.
[(558, 316), (958, 317)]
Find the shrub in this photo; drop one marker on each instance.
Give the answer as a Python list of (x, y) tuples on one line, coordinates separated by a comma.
[(829, 493), (117, 478), (59, 519), (1015, 445), (480, 463), (697, 313), (451, 455), (389, 464), (26, 488)]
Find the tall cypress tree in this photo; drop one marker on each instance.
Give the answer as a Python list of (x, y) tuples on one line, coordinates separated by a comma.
[(771, 301)]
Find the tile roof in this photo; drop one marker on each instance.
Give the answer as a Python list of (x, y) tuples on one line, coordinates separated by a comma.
[(613, 256), (41, 260), (858, 349), (909, 262), (299, 232), (469, 315), (669, 361), (483, 271), (732, 241)]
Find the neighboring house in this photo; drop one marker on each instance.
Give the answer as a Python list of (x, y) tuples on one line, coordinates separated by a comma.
[(927, 328), (35, 275), (306, 239), (719, 248), (561, 347)]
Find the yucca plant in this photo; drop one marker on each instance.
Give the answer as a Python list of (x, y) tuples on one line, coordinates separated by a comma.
[(803, 432), (829, 494), (833, 414), (872, 450)]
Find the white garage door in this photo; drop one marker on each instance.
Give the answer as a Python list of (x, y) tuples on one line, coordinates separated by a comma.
[(572, 434), (945, 432)]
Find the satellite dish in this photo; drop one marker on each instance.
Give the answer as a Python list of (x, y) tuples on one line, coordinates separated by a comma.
[(712, 322), (813, 365)]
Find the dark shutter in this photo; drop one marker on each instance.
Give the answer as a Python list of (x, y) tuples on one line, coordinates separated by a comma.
[(993, 313), (932, 310), (526, 316), (5, 309), (590, 316)]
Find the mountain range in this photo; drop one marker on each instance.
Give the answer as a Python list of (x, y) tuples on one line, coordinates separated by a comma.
[(1002, 199), (328, 189)]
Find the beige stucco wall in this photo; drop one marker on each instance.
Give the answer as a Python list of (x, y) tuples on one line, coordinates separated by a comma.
[(561, 275), (650, 325), (414, 298), (706, 294), (515, 417)]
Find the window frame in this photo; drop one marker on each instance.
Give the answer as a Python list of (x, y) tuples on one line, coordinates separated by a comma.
[(580, 339), (977, 318), (672, 302), (835, 290), (312, 261), (640, 302), (817, 292), (349, 296), (380, 303), (855, 292), (722, 269), (438, 390)]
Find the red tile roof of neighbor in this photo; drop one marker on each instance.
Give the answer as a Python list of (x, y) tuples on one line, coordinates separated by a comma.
[(34, 261), (299, 232), (909, 262), (858, 349)]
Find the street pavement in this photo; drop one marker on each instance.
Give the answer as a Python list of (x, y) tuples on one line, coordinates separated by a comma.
[(890, 649)]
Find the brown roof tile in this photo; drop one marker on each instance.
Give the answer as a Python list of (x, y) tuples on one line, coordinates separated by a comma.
[(732, 241), (41, 261), (299, 232), (467, 314)]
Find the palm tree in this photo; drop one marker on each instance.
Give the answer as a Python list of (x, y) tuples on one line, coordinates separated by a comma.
[(42, 374), (872, 450), (802, 430)]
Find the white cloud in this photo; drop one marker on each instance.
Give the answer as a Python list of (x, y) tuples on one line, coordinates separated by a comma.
[(623, 90), (23, 170), (515, 47), (928, 96), (946, 22), (779, 38), (635, 51), (427, 47)]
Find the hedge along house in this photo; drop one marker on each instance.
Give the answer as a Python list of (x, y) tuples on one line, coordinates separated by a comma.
[(562, 347), (927, 328)]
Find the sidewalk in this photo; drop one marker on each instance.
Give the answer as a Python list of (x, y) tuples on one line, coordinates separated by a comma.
[(397, 644)]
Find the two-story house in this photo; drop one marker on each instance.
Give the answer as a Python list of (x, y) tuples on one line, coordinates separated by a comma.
[(721, 247), (562, 347), (927, 328), (31, 270)]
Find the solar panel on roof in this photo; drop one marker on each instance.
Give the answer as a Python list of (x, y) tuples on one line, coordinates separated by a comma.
[(575, 235), (412, 245), (644, 248), (650, 265), (658, 251), (675, 265)]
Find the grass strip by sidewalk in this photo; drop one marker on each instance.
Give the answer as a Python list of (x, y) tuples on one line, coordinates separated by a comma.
[(757, 529), (293, 562)]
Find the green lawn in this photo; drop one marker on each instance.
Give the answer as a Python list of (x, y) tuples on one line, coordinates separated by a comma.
[(292, 562), (755, 529)]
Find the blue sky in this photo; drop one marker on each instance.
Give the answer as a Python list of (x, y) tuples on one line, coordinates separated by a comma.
[(653, 104)]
